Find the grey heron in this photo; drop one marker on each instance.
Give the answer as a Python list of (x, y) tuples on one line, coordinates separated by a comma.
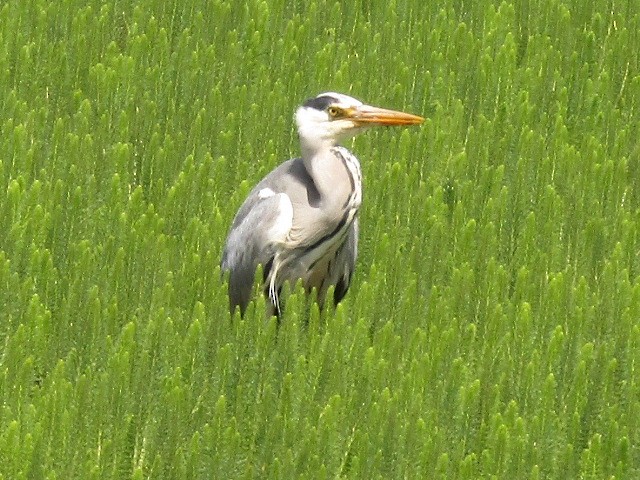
[(301, 220)]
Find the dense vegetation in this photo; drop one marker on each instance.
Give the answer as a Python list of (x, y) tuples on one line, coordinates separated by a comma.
[(493, 327)]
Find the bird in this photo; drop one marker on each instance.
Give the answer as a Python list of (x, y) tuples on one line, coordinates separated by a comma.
[(300, 222)]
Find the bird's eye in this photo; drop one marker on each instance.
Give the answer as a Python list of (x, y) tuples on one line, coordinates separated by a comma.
[(333, 111)]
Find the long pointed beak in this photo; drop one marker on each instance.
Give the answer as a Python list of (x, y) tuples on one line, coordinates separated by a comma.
[(367, 115)]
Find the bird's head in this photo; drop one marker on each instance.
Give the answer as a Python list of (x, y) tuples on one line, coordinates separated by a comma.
[(332, 117)]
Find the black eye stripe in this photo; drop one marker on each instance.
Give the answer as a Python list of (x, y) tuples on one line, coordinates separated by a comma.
[(320, 103)]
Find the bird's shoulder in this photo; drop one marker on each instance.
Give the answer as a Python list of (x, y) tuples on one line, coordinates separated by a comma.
[(262, 222), (278, 181)]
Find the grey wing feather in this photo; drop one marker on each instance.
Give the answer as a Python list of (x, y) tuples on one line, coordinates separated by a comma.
[(261, 223)]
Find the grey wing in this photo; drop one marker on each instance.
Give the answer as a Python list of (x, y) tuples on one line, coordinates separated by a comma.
[(344, 263), (261, 225)]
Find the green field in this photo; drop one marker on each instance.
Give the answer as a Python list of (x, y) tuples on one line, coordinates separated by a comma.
[(493, 325)]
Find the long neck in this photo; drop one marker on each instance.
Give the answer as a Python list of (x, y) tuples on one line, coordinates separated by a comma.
[(331, 177)]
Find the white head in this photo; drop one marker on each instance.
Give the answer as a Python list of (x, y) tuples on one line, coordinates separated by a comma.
[(332, 117)]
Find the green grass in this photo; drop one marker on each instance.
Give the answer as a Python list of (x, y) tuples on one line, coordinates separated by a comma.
[(493, 326)]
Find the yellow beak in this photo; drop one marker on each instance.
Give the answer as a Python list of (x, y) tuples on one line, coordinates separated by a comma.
[(368, 115)]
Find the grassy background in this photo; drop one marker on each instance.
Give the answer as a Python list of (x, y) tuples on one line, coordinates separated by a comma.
[(493, 328)]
